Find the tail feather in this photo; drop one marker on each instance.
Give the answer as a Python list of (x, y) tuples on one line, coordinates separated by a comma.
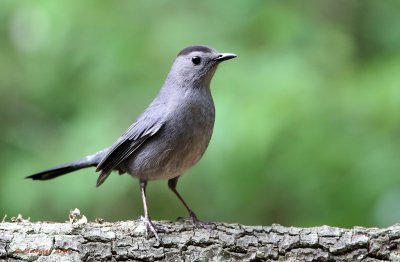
[(89, 161), (58, 171)]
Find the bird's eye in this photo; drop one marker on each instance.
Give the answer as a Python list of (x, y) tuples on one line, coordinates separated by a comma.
[(196, 60)]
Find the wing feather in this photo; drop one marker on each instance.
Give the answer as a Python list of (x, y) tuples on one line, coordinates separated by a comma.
[(129, 142)]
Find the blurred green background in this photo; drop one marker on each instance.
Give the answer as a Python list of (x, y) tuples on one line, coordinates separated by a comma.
[(308, 116)]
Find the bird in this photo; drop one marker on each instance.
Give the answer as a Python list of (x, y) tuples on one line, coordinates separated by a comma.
[(169, 137)]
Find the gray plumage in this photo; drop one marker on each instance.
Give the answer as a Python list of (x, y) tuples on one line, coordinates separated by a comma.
[(171, 135)]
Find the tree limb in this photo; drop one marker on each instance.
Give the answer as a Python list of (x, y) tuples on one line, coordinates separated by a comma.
[(126, 241)]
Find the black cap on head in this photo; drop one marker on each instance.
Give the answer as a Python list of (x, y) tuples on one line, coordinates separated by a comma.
[(198, 48)]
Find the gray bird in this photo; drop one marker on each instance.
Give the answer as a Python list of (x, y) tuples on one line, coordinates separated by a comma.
[(169, 137)]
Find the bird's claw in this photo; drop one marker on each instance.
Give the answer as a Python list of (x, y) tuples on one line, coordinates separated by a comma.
[(150, 227), (201, 224), (197, 223)]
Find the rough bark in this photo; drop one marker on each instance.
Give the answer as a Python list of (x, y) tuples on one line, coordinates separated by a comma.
[(181, 241)]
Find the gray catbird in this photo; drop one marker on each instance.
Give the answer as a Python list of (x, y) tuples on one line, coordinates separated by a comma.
[(169, 137)]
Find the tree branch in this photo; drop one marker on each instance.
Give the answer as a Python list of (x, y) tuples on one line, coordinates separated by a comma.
[(121, 241)]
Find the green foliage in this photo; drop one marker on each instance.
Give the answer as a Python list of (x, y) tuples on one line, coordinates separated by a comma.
[(308, 122)]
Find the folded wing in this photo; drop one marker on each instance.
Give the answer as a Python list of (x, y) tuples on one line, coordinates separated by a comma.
[(129, 142)]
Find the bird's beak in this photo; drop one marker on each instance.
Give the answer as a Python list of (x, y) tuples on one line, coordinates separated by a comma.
[(224, 56)]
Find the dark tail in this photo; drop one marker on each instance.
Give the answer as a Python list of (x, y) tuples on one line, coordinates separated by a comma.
[(89, 161)]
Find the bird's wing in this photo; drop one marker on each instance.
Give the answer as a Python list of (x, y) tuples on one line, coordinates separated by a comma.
[(131, 140)]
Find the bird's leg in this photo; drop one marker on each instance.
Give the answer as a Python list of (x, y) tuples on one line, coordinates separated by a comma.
[(146, 219), (172, 185)]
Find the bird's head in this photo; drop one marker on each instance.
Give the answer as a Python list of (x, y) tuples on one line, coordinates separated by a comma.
[(196, 65)]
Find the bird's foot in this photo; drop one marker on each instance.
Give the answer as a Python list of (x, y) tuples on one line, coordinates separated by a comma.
[(197, 223), (203, 225), (150, 227)]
